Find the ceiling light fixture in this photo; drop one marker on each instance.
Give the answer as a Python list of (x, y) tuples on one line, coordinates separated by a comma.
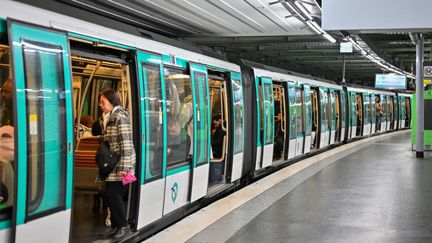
[(303, 10)]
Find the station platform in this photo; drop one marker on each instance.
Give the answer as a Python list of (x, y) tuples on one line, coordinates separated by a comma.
[(371, 190)]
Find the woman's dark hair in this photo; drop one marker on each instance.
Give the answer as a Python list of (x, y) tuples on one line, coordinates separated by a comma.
[(112, 96)]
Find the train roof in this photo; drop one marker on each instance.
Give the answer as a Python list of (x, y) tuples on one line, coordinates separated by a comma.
[(282, 74), (49, 19)]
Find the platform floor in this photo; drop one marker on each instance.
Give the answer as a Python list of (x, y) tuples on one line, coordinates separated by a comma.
[(379, 192)]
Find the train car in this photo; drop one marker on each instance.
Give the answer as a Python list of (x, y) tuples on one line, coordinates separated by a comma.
[(404, 110), (296, 114), (52, 68), (58, 65)]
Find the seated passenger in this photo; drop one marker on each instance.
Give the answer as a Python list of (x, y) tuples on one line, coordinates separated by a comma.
[(178, 142), (217, 137)]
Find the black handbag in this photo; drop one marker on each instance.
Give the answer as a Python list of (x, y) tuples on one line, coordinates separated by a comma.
[(106, 159)]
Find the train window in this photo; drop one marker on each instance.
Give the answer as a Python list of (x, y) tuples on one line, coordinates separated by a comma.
[(202, 111), (308, 110), (372, 108), (367, 108), (261, 109), (7, 151), (324, 110), (46, 131), (154, 128), (293, 110), (353, 109), (331, 112), (268, 91), (299, 111), (238, 115), (343, 110), (390, 108), (179, 117)]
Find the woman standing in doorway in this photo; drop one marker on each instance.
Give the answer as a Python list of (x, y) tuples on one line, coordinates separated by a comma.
[(117, 130)]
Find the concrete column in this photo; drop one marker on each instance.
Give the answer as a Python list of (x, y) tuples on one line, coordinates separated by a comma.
[(419, 98)]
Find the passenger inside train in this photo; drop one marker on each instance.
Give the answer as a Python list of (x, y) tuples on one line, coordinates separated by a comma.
[(7, 147), (219, 107), (378, 112), (279, 122), (93, 70), (217, 137), (179, 114), (359, 101), (315, 117)]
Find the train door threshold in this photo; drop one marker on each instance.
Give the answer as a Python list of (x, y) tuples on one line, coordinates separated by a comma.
[(216, 189)]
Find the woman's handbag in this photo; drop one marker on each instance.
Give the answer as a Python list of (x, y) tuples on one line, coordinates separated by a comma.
[(106, 160)]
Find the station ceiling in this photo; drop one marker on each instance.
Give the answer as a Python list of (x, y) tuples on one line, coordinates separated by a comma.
[(264, 31)]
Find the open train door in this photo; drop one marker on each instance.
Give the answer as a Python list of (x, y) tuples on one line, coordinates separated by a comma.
[(44, 161), (201, 138), (238, 125), (153, 137), (268, 121)]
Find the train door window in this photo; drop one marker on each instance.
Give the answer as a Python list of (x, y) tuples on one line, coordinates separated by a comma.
[(279, 121), (391, 109), (359, 112), (407, 111), (372, 110), (307, 112), (353, 109), (315, 118), (261, 112), (343, 113), (46, 133), (154, 128), (324, 111), (238, 115), (268, 102), (337, 115), (299, 116), (7, 134), (299, 112), (367, 113), (332, 111), (292, 112), (179, 117)]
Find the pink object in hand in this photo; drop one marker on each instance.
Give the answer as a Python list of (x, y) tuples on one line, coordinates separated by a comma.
[(128, 178)]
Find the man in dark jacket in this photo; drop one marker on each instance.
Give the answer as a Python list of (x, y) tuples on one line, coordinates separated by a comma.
[(217, 137)]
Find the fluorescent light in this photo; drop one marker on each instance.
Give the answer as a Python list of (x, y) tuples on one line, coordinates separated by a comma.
[(309, 23), (317, 26), (293, 10), (329, 37), (303, 9)]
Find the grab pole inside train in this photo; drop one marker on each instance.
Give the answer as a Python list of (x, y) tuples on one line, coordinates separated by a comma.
[(419, 42)]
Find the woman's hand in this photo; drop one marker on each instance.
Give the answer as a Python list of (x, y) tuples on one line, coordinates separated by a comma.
[(122, 173)]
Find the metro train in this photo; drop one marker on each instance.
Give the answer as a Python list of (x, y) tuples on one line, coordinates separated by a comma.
[(52, 68)]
